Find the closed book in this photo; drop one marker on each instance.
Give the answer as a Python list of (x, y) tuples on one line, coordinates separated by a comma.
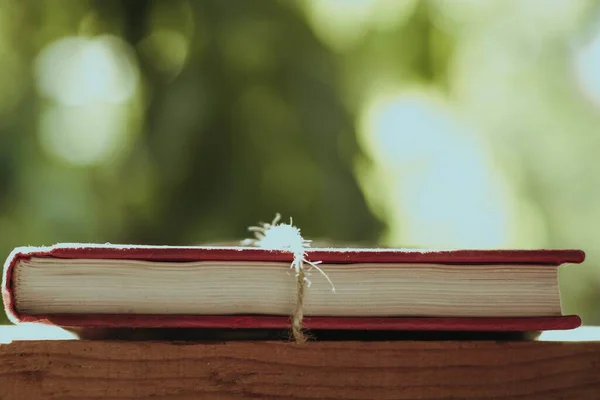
[(106, 285)]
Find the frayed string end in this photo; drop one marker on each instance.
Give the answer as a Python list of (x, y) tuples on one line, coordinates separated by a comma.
[(287, 237)]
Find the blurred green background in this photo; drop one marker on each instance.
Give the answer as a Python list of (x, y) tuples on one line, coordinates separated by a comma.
[(457, 123)]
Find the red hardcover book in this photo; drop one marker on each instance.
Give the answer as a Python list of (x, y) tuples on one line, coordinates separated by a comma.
[(86, 285)]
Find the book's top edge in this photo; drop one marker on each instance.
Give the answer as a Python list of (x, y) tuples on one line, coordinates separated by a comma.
[(331, 255)]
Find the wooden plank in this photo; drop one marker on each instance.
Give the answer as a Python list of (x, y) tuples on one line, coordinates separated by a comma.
[(83, 369)]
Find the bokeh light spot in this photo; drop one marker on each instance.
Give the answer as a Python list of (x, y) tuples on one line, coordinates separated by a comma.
[(79, 70)]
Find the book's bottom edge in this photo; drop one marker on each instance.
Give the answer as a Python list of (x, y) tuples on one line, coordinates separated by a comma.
[(481, 324)]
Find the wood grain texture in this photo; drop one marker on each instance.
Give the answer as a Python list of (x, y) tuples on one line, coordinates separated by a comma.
[(280, 370)]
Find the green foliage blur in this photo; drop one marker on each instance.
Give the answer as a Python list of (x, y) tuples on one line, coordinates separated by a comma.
[(374, 122)]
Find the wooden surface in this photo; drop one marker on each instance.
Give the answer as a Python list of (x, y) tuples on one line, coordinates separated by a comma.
[(110, 369)]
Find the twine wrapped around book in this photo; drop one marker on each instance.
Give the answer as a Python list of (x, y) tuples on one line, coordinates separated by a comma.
[(287, 237)]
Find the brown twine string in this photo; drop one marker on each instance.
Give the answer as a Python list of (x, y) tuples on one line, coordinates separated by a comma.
[(287, 237), (298, 316)]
